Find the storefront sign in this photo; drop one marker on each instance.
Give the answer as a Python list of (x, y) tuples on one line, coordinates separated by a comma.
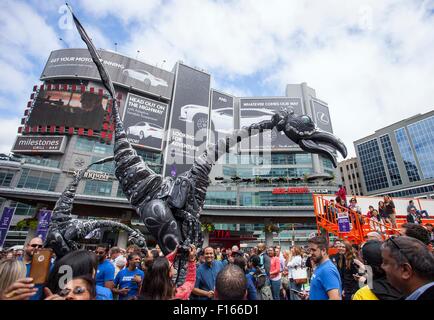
[(220, 234), (290, 190), (94, 175), (42, 144)]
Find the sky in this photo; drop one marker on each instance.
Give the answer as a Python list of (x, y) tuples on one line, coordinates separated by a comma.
[(371, 61)]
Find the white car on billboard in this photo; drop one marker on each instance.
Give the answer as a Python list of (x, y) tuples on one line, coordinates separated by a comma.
[(145, 76), (145, 130), (222, 119)]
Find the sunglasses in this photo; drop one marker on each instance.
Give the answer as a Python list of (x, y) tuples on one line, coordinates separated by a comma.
[(76, 290), (39, 246), (99, 252)]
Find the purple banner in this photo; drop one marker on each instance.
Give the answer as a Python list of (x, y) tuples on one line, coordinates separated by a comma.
[(343, 222), (44, 218), (5, 222)]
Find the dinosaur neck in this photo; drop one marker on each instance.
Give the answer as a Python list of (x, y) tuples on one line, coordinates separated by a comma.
[(63, 208), (202, 165)]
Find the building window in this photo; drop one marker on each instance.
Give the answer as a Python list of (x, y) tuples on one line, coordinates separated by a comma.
[(392, 166), (91, 145), (267, 198), (120, 193), (35, 179), (407, 155), (372, 165), (108, 167), (422, 136), (98, 188), (6, 178), (22, 209), (40, 161), (222, 198), (148, 156)]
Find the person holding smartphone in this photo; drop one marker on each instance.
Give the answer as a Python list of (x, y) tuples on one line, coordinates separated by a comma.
[(31, 248), (128, 281)]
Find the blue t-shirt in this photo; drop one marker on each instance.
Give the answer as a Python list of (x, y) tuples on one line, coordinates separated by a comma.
[(105, 272), (206, 277), (325, 278), (251, 289), (124, 279), (103, 293)]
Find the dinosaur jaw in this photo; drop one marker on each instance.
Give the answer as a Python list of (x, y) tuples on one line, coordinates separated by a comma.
[(323, 143)]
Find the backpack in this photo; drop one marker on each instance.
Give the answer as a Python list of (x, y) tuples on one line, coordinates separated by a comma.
[(263, 288)]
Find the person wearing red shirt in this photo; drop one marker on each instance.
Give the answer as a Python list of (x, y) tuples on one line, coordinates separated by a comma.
[(275, 275), (342, 193)]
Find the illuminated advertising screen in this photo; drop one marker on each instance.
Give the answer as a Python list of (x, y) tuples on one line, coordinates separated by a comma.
[(69, 109)]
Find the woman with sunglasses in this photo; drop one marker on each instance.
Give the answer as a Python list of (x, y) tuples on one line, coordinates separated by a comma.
[(158, 284), (79, 263), (79, 288)]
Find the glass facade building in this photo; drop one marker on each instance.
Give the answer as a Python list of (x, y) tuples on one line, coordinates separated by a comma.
[(372, 166), (422, 137), (404, 165), (241, 190)]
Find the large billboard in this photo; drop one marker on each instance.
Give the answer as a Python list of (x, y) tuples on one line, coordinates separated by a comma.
[(145, 121), (322, 116), (222, 115), (124, 71), (254, 110), (188, 124), (39, 144), (69, 109)]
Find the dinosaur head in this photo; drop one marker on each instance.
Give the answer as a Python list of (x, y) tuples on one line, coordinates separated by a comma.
[(302, 130)]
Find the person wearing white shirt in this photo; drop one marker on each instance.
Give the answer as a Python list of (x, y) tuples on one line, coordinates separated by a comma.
[(295, 263)]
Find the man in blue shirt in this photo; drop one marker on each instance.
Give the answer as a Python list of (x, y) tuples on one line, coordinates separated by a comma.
[(105, 273), (31, 248), (206, 276), (128, 281), (325, 283)]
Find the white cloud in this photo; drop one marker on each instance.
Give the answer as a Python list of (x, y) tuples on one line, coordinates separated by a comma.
[(26, 41), (124, 10), (371, 60), (8, 131)]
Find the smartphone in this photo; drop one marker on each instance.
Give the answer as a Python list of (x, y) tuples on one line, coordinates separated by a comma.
[(40, 266), (296, 291)]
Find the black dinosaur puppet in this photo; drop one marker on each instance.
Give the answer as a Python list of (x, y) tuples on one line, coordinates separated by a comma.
[(171, 207), (66, 232)]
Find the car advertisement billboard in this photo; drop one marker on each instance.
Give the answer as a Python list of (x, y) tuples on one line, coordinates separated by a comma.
[(145, 121), (322, 116), (69, 109), (188, 123), (124, 71), (255, 110), (222, 115)]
